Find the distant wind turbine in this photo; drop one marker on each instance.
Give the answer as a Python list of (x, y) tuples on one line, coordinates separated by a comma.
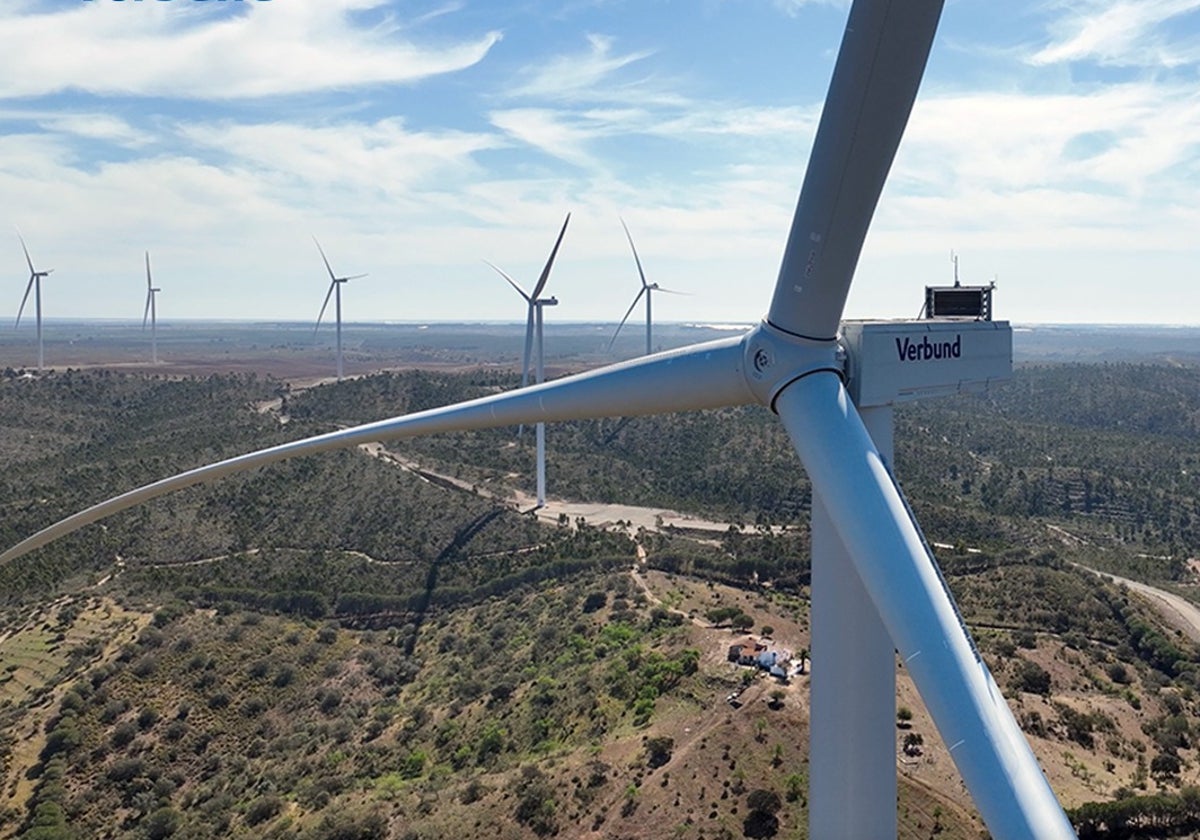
[(335, 283), (35, 283), (533, 325), (151, 313), (647, 290)]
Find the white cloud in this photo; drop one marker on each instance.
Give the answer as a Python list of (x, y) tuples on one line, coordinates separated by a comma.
[(179, 51), (594, 75), (1120, 32), (561, 135), (571, 76), (383, 155), (792, 8), (226, 202), (1115, 138), (789, 123), (96, 127)]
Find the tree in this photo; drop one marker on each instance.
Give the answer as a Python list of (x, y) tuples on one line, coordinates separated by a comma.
[(761, 821), (263, 809), (49, 823), (913, 742), (1030, 677), (764, 800), (536, 806), (794, 785), (658, 750), (1165, 766), (162, 823), (742, 621), (720, 615), (594, 601), (766, 630), (904, 717)]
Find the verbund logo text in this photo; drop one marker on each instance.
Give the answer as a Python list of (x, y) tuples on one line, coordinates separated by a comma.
[(924, 350)]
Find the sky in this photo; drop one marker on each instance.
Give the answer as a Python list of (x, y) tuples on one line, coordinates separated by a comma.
[(1055, 147)]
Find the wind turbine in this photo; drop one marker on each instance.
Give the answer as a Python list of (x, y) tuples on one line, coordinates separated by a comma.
[(533, 328), (872, 567), (35, 283), (151, 312), (647, 289), (335, 284)]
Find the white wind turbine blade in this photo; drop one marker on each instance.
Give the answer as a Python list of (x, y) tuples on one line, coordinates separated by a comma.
[(874, 83), (636, 258), (28, 259), (32, 278), (149, 292), (28, 288), (704, 376), (321, 314), (325, 259), (894, 564), (332, 284), (645, 290), (529, 299), (545, 276), (628, 312)]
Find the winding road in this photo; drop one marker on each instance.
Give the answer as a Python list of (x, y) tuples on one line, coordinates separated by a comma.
[(1178, 612)]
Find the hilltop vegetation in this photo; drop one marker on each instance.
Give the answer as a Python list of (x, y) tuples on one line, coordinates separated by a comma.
[(227, 723), (337, 646), (1108, 452)]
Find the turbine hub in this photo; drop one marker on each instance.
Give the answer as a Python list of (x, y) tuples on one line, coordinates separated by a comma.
[(774, 359)]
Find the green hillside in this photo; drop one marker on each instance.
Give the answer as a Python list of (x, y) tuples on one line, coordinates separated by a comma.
[(340, 646)]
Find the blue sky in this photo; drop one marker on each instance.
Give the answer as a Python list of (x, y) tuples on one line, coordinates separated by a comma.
[(1054, 145)]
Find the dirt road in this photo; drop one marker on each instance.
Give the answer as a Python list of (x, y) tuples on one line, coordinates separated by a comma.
[(1178, 612)]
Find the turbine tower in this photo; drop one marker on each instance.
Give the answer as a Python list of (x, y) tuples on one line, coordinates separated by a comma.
[(533, 329), (647, 289), (335, 288), (151, 312), (876, 585), (35, 283)]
